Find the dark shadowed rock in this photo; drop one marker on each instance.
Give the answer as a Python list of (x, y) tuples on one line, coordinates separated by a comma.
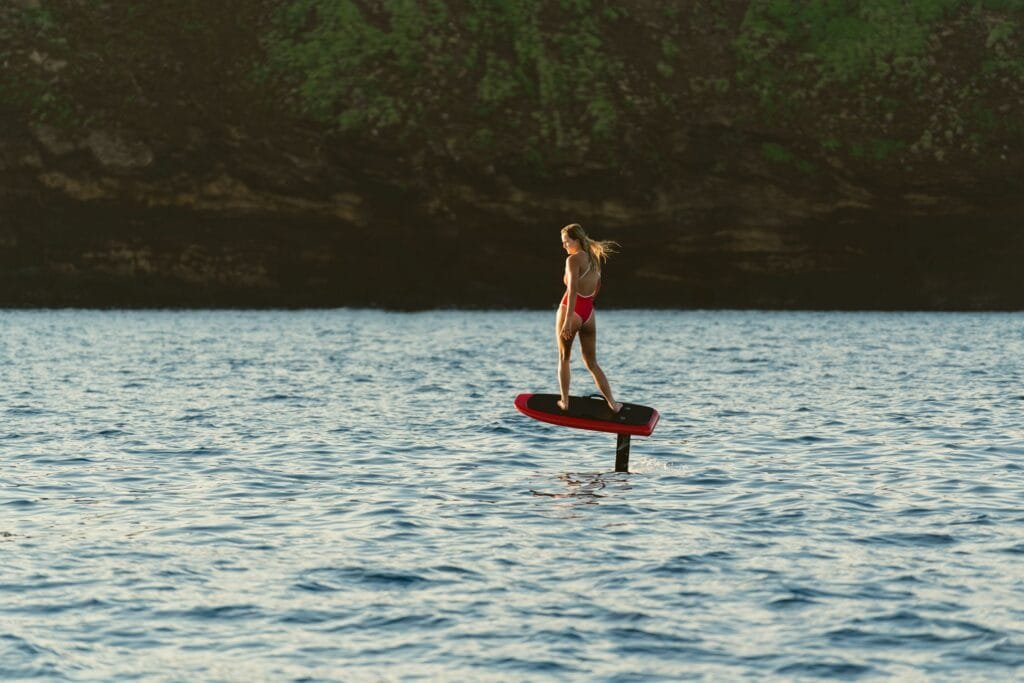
[(144, 166), (46, 62), (55, 141), (118, 151)]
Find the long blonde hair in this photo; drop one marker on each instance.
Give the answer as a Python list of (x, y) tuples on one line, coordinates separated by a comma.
[(596, 250)]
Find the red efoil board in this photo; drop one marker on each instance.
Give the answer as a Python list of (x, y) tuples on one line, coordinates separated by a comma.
[(589, 412)]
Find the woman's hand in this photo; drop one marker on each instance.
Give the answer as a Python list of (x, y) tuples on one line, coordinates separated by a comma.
[(566, 330)]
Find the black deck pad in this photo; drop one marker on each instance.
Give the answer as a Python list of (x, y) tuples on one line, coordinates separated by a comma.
[(591, 408)]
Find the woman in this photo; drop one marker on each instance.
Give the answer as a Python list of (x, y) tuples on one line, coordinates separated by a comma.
[(576, 313)]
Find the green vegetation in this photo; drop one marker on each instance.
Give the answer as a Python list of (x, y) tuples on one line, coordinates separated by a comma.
[(39, 20), (777, 153), (843, 41), (878, 149), (28, 38), (540, 82), (883, 66), (519, 73), (533, 79), (156, 66)]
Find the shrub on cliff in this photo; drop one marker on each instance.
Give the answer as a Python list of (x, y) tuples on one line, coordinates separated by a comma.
[(586, 79), (935, 77), (496, 75)]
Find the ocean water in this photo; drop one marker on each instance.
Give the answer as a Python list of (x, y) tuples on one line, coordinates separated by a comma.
[(350, 495)]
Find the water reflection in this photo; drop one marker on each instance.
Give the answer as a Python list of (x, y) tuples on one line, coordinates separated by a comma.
[(345, 495)]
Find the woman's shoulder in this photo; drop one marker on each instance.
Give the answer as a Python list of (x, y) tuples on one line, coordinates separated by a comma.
[(577, 259)]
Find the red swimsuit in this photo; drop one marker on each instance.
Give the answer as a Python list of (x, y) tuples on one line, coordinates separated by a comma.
[(584, 305)]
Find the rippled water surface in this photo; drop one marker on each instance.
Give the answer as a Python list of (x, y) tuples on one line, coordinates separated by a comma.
[(350, 495)]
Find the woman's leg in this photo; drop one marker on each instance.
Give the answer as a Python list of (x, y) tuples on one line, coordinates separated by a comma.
[(588, 345), (564, 355)]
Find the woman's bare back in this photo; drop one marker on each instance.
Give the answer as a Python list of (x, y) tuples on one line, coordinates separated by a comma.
[(588, 278)]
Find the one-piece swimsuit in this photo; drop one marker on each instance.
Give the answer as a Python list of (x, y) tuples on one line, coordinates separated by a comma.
[(584, 304)]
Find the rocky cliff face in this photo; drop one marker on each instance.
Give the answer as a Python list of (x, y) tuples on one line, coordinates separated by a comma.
[(149, 157)]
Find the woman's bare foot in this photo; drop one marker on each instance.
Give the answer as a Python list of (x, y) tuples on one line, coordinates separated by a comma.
[(563, 403), (615, 406)]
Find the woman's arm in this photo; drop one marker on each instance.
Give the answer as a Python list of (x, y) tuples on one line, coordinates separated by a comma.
[(572, 271)]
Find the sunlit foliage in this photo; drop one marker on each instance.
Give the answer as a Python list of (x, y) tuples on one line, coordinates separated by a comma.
[(537, 71)]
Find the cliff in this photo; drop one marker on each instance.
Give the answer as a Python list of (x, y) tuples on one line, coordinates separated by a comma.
[(420, 154)]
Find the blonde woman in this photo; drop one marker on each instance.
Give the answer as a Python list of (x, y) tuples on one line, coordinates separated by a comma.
[(576, 313)]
